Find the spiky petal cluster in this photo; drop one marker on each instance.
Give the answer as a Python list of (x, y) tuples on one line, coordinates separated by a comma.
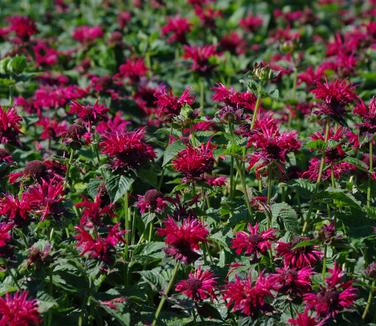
[(303, 319), (200, 56), (296, 255), (183, 238), (170, 105), (247, 296), (334, 96), (193, 162), (97, 246), (199, 286), (18, 310), (177, 27), (368, 115), (333, 298), (87, 34), (254, 243), (127, 149), (9, 126), (271, 146), (89, 113)]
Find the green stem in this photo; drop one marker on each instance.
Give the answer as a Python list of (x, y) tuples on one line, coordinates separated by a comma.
[(324, 262), (165, 295), (202, 95), (257, 105), (369, 301), (244, 186), (126, 218), (322, 163), (369, 188)]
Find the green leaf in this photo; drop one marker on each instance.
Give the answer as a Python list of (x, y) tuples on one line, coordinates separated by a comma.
[(124, 186), (287, 215), (171, 151)]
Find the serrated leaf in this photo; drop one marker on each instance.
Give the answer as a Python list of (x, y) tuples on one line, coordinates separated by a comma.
[(171, 151), (287, 215)]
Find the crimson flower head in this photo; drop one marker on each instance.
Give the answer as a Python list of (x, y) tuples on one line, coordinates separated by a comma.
[(193, 162), (170, 105), (303, 319), (253, 243), (94, 211), (153, 201), (15, 209), (201, 56), (271, 146), (22, 26), (52, 128), (368, 115), (183, 238), (234, 103), (89, 113), (45, 55), (5, 158), (335, 96), (247, 296), (199, 286), (5, 235), (128, 149), (18, 310), (133, 69), (87, 34), (39, 171), (292, 281), (97, 246), (298, 256), (9, 126), (232, 43), (177, 27), (46, 198), (334, 297), (251, 23)]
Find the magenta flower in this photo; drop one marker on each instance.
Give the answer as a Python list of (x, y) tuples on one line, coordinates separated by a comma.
[(24, 27), (368, 115), (271, 147), (254, 243), (10, 123), (177, 27), (201, 55), (18, 310), (251, 23), (247, 296), (127, 149), (133, 69), (89, 113), (199, 286), (170, 105), (87, 34), (292, 281), (183, 239), (333, 298), (15, 209), (335, 97), (303, 319), (302, 256), (194, 162), (97, 246), (45, 55), (153, 201), (232, 43), (94, 211), (45, 198)]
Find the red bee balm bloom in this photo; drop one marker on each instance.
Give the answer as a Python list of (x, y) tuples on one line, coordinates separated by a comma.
[(45, 198), (199, 285), (334, 96), (99, 247), (298, 257), (17, 310), (333, 298), (247, 296), (178, 27), (89, 113), (255, 243), (152, 201), (9, 126), (292, 281), (271, 146), (193, 162), (128, 149), (22, 26), (304, 320), (133, 69), (183, 239), (87, 34), (170, 105), (15, 209), (200, 56)]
